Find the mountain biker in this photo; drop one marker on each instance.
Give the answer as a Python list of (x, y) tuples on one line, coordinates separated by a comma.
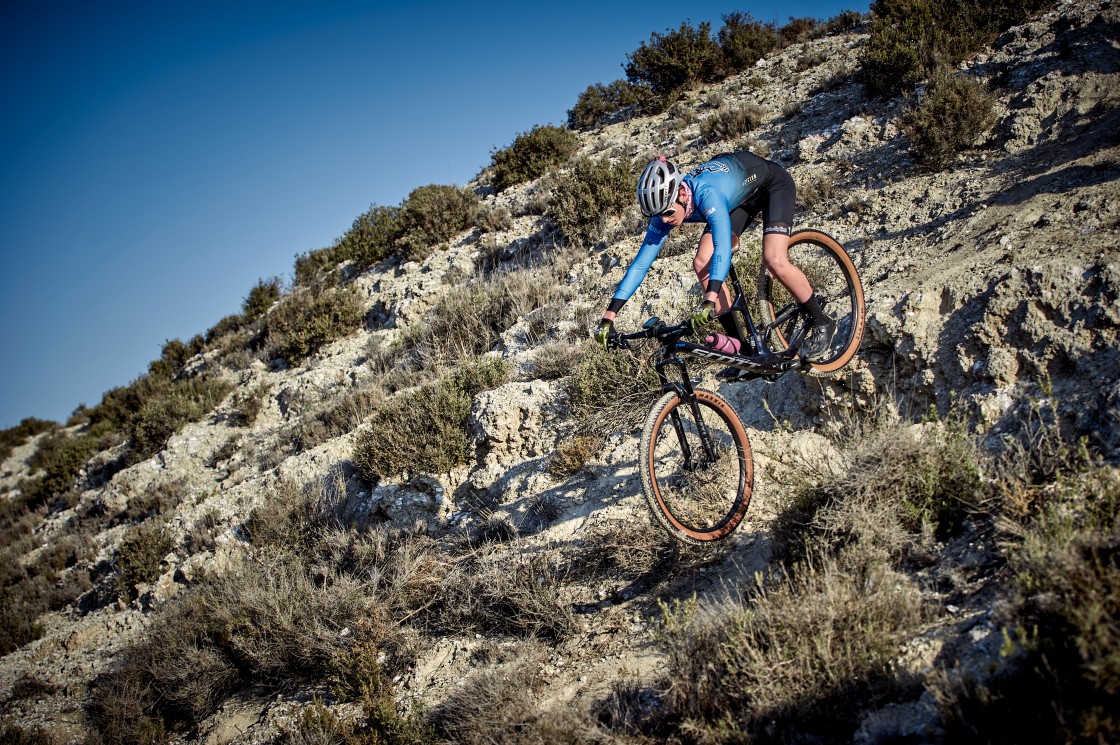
[(727, 193)]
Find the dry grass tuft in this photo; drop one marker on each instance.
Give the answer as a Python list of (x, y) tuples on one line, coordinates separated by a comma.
[(1058, 676), (804, 657), (498, 707), (887, 484), (499, 592)]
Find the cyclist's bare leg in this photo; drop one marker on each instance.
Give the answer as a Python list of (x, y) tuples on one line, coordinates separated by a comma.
[(775, 256), (702, 265)]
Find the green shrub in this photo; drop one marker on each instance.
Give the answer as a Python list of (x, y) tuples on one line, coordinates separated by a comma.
[(599, 101), (952, 114), (799, 30), (61, 457), (173, 356), (164, 411), (912, 38), (591, 193), (434, 416), (743, 41), (312, 268), (675, 61), (731, 123), (481, 374), (372, 237), (899, 50), (469, 320), (612, 389), (306, 321), (13, 437), (264, 293), (225, 327), (139, 557), (494, 219), (532, 154), (432, 215), (843, 22)]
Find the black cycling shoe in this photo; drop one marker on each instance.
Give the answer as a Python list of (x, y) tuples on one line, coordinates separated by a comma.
[(816, 347)]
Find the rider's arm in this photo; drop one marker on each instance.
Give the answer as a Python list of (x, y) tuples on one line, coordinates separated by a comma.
[(636, 272), (718, 215)]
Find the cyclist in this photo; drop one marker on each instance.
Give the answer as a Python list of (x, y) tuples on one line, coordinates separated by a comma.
[(727, 193)]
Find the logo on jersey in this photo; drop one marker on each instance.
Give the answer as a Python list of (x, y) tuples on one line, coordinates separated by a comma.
[(712, 166), (751, 178)]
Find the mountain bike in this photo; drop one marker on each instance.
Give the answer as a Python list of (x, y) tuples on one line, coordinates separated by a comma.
[(696, 466)]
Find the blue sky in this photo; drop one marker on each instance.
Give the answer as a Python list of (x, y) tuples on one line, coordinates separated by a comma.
[(160, 158)]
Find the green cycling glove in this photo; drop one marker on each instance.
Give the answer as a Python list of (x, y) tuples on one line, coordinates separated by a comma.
[(603, 331), (701, 316)]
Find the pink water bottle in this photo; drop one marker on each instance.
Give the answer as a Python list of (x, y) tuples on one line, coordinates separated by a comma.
[(723, 343)]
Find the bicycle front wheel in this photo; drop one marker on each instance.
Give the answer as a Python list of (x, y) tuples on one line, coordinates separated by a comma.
[(697, 471), (834, 279)]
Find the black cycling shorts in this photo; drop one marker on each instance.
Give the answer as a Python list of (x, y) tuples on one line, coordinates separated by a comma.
[(774, 198)]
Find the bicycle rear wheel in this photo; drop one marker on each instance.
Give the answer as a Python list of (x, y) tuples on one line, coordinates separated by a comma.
[(834, 279), (697, 470)]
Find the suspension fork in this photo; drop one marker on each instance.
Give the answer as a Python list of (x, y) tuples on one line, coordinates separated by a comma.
[(683, 388)]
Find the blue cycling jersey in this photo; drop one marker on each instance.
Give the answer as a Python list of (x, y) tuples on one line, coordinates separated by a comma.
[(718, 187)]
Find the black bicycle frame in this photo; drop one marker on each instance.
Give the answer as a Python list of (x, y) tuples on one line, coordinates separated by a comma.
[(683, 388)]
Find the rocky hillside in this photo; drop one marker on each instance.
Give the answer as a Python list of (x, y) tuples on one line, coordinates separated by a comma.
[(521, 594)]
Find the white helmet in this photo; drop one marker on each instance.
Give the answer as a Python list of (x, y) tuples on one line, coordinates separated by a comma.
[(657, 186)]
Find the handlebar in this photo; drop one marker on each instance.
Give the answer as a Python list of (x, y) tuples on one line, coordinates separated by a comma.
[(653, 328)]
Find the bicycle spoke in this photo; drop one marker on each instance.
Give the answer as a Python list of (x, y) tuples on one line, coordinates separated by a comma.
[(699, 492), (839, 294)]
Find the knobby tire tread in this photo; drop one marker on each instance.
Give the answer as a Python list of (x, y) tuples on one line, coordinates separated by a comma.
[(766, 307), (659, 417)]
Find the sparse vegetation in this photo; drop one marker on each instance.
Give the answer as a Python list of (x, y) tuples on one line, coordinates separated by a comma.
[(670, 63), (431, 216), (423, 586), (731, 123), (590, 193), (306, 321), (532, 154), (744, 41), (950, 116), (910, 39), (599, 101)]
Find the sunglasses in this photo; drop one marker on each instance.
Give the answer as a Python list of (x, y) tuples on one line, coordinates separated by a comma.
[(669, 212)]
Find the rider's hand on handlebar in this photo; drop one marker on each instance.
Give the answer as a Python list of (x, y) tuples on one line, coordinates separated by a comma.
[(604, 332), (701, 316)]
